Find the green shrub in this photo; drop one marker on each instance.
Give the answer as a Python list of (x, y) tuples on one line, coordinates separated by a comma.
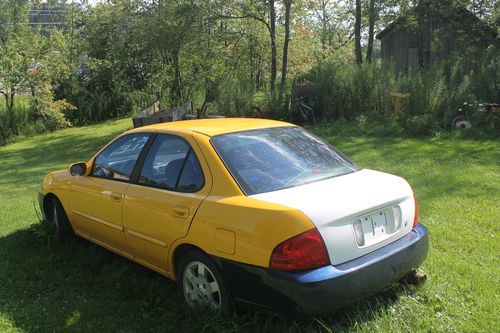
[(22, 116), (51, 113), (486, 78), (235, 98), (428, 93), (35, 115), (437, 93), (345, 90), (421, 124), (266, 106), (101, 92), (36, 127)]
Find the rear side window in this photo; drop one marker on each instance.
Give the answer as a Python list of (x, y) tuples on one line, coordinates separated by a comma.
[(172, 164), (192, 176), (117, 161)]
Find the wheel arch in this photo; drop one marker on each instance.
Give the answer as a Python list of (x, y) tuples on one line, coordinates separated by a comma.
[(179, 251)]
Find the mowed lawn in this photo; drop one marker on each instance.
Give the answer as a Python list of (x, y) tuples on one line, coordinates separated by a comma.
[(81, 287)]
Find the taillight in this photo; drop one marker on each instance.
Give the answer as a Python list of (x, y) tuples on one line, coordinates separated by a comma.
[(415, 218), (300, 253)]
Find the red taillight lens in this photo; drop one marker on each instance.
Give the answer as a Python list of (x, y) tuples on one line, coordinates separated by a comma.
[(415, 219), (300, 253)]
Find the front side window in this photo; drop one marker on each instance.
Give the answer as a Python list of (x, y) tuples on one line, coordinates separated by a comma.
[(172, 164), (271, 159), (117, 161)]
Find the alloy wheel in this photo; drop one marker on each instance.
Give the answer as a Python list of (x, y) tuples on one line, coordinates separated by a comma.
[(201, 289)]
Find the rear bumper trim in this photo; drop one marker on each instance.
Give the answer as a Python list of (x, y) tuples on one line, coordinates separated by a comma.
[(328, 288)]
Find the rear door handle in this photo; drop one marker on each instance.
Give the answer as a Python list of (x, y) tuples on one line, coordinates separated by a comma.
[(115, 196), (180, 212)]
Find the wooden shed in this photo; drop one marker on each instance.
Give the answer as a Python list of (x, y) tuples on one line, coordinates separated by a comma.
[(434, 30)]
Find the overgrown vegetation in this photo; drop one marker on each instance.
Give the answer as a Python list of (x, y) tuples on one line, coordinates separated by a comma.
[(67, 63), (437, 94), (84, 288)]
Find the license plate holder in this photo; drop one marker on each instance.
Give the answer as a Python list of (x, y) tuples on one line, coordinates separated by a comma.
[(379, 222), (374, 227)]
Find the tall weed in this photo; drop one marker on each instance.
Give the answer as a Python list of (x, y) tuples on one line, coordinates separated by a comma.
[(235, 98), (437, 93), (348, 91)]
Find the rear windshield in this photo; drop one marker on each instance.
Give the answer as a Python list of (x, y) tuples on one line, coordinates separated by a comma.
[(271, 159)]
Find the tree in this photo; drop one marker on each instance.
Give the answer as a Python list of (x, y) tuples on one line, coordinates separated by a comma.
[(357, 33), (332, 21), (13, 15), (371, 28), (284, 63), (324, 18), (274, 55), (263, 12), (30, 62)]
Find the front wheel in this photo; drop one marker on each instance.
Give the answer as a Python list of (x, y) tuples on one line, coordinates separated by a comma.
[(63, 230), (201, 283)]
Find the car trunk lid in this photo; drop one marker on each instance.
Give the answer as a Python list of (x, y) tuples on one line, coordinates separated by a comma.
[(355, 213)]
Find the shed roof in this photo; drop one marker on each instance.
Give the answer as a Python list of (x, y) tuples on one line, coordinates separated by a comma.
[(460, 11)]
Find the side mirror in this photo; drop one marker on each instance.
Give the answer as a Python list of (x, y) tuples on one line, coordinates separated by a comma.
[(78, 169)]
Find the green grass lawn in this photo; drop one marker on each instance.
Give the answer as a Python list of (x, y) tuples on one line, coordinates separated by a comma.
[(81, 287)]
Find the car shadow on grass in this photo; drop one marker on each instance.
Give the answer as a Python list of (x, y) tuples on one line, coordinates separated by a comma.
[(78, 286), (81, 287)]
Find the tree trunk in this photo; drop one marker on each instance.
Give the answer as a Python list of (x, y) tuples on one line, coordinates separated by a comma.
[(324, 23), (284, 63), (371, 28), (9, 103), (252, 62), (272, 31), (177, 88), (202, 112), (258, 75), (357, 33)]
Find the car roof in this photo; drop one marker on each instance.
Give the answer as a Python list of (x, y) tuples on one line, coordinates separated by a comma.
[(214, 126)]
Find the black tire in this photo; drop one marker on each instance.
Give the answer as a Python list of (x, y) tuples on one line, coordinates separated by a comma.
[(59, 219), (199, 292)]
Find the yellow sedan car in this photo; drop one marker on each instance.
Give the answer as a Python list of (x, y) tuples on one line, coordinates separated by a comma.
[(254, 211)]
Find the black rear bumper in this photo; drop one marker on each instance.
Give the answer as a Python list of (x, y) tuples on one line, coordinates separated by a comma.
[(329, 288)]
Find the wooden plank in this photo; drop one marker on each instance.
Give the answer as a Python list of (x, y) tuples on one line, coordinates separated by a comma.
[(413, 59), (180, 112), (137, 122), (153, 114), (150, 110)]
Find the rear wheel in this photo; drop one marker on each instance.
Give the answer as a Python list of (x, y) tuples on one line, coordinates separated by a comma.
[(201, 283), (59, 219)]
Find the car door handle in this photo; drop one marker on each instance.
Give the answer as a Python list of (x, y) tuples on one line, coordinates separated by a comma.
[(115, 196), (180, 212)]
